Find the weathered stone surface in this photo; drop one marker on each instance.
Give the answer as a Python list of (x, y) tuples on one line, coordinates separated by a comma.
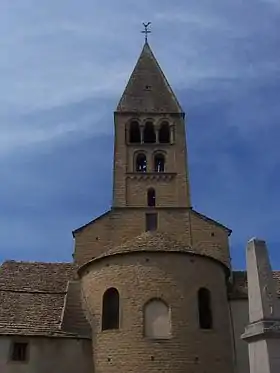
[(263, 331), (175, 278), (203, 235), (263, 302)]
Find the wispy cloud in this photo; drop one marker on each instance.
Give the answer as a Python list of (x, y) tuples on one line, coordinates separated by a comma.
[(63, 67)]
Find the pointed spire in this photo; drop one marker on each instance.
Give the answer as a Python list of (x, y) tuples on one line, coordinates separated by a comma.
[(147, 89)]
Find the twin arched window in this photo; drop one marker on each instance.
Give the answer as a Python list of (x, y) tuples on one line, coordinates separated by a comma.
[(157, 316), (149, 133), (141, 163)]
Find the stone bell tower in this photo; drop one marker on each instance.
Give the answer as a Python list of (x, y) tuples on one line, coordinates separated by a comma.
[(153, 270), (150, 166)]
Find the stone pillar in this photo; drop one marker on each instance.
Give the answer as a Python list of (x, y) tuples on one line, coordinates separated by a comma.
[(172, 134), (263, 332), (142, 133), (157, 134)]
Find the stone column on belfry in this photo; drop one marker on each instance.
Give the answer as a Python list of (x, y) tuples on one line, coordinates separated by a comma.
[(263, 331)]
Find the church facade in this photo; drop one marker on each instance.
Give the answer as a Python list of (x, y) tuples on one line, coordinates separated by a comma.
[(151, 286)]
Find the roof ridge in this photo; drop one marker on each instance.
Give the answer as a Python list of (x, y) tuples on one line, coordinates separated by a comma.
[(164, 77), (34, 262), (7, 290)]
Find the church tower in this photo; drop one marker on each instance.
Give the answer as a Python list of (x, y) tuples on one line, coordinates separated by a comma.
[(150, 168), (153, 271)]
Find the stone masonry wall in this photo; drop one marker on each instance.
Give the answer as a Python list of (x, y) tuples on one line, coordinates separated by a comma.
[(175, 278), (165, 189), (124, 156), (121, 225)]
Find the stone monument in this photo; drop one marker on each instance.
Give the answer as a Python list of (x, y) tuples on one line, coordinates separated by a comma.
[(263, 332)]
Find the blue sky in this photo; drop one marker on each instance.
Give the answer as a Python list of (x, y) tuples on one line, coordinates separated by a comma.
[(64, 66)]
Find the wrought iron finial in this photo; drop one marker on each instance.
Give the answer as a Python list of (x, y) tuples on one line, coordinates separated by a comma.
[(146, 31)]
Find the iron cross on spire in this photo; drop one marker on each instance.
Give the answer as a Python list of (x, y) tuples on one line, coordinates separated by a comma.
[(146, 31)]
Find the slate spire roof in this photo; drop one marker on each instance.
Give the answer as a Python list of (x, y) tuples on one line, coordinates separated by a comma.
[(147, 89)]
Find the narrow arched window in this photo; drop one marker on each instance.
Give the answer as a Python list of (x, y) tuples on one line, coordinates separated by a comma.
[(157, 321), (159, 163), (151, 197), (149, 133), (141, 163), (110, 309), (205, 309), (164, 133), (134, 132)]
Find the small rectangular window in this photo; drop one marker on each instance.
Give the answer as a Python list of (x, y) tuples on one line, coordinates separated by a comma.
[(19, 351), (151, 222)]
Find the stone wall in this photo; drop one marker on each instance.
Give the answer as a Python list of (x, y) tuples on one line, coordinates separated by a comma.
[(175, 278), (121, 225), (176, 160)]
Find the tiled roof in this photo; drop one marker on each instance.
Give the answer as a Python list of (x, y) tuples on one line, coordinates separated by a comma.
[(35, 276), (239, 289), (22, 312), (147, 89), (147, 241), (32, 297), (74, 320)]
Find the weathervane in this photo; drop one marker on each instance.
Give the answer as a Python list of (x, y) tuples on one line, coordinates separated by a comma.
[(146, 31)]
